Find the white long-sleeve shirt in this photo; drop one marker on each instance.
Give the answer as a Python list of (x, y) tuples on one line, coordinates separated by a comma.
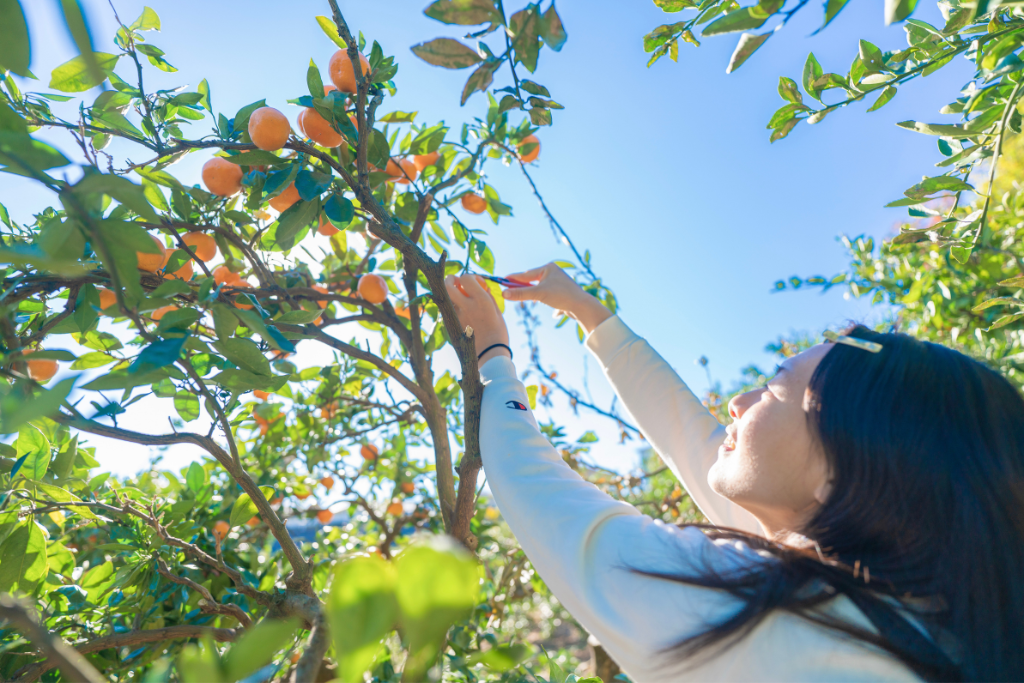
[(583, 542)]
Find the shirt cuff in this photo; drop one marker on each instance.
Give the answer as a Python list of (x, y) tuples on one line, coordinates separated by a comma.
[(607, 339), (497, 367)]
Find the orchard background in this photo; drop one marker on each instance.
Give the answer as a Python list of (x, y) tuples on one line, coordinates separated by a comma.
[(239, 414)]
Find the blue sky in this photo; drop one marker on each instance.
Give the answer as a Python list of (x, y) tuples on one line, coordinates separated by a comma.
[(665, 174)]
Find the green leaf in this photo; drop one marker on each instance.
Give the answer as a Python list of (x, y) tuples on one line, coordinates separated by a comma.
[(245, 509), (147, 21), (747, 45), (314, 81), (361, 609), (187, 405), (436, 587), (195, 477), (788, 90), (123, 190), (44, 403), (883, 99), (1002, 322), (59, 495), (98, 581), (258, 646), (463, 12), (17, 150), (871, 56), (504, 658), (379, 150), (122, 379), (94, 359), (553, 31), (812, 72), (480, 79), (898, 10), (331, 30), (74, 76), (525, 27), (446, 52), (243, 380), (15, 47), (534, 88), (675, 5), (738, 20), (35, 448), (24, 559), (256, 157), (296, 217), (937, 184), (245, 354), (998, 301), (339, 210), (832, 9), (75, 21)]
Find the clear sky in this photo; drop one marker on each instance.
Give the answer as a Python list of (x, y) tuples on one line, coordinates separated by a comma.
[(665, 174)]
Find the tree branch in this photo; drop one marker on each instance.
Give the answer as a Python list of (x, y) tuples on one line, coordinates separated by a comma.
[(73, 665)]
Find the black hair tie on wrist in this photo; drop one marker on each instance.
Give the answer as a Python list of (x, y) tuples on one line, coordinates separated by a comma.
[(494, 346)]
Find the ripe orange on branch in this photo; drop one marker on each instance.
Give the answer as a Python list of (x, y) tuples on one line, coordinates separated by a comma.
[(42, 369), (152, 262), (408, 487), (260, 394), (368, 451), (423, 161), (316, 128), (328, 482), (201, 244), (402, 172), (269, 129), (324, 516), (107, 298), (474, 203), (326, 228), (532, 153), (162, 311), (373, 288), (283, 201), (222, 177), (222, 275), (395, 509), (220, 530), (341, 72), (183, 273)]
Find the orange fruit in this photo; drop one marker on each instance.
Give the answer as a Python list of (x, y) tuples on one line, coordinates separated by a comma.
[(202, 245), (222, 177), (289, 196), (329, 410), (533, 153), (422, 161), (373, 288), (269, 129), (220, 530), (341, 72), (323, 290), (402, 312), (107, 298), (41, 370), (328, 482), (254, 522), (408, 167), (260, 394), (162, 311), (152, 262), (222, 275), (474, 203), (369, 452), (324, 516), (395, 509), (408, 487), (316, 128), (183, 273), (326, 228)]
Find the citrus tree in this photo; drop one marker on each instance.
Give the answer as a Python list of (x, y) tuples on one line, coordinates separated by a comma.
[(338, 235)]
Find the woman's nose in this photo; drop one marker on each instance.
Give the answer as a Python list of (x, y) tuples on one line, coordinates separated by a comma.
[(739, 403)]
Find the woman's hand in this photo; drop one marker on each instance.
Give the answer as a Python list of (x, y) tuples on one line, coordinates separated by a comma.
[(558, 290), (476, 308)]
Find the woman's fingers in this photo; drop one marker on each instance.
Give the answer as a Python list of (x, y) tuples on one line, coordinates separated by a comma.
[(530, 275), (455, 291)]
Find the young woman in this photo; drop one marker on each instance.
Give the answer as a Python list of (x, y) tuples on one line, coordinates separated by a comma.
[(867, 509)]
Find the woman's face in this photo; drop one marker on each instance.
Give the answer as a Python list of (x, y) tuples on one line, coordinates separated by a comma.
[(771, 464)]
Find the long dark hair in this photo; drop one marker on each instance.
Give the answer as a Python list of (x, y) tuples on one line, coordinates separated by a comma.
[(926, 515)]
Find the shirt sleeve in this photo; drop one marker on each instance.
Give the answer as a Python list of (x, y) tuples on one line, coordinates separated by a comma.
[(671, 418), (584, 544)]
